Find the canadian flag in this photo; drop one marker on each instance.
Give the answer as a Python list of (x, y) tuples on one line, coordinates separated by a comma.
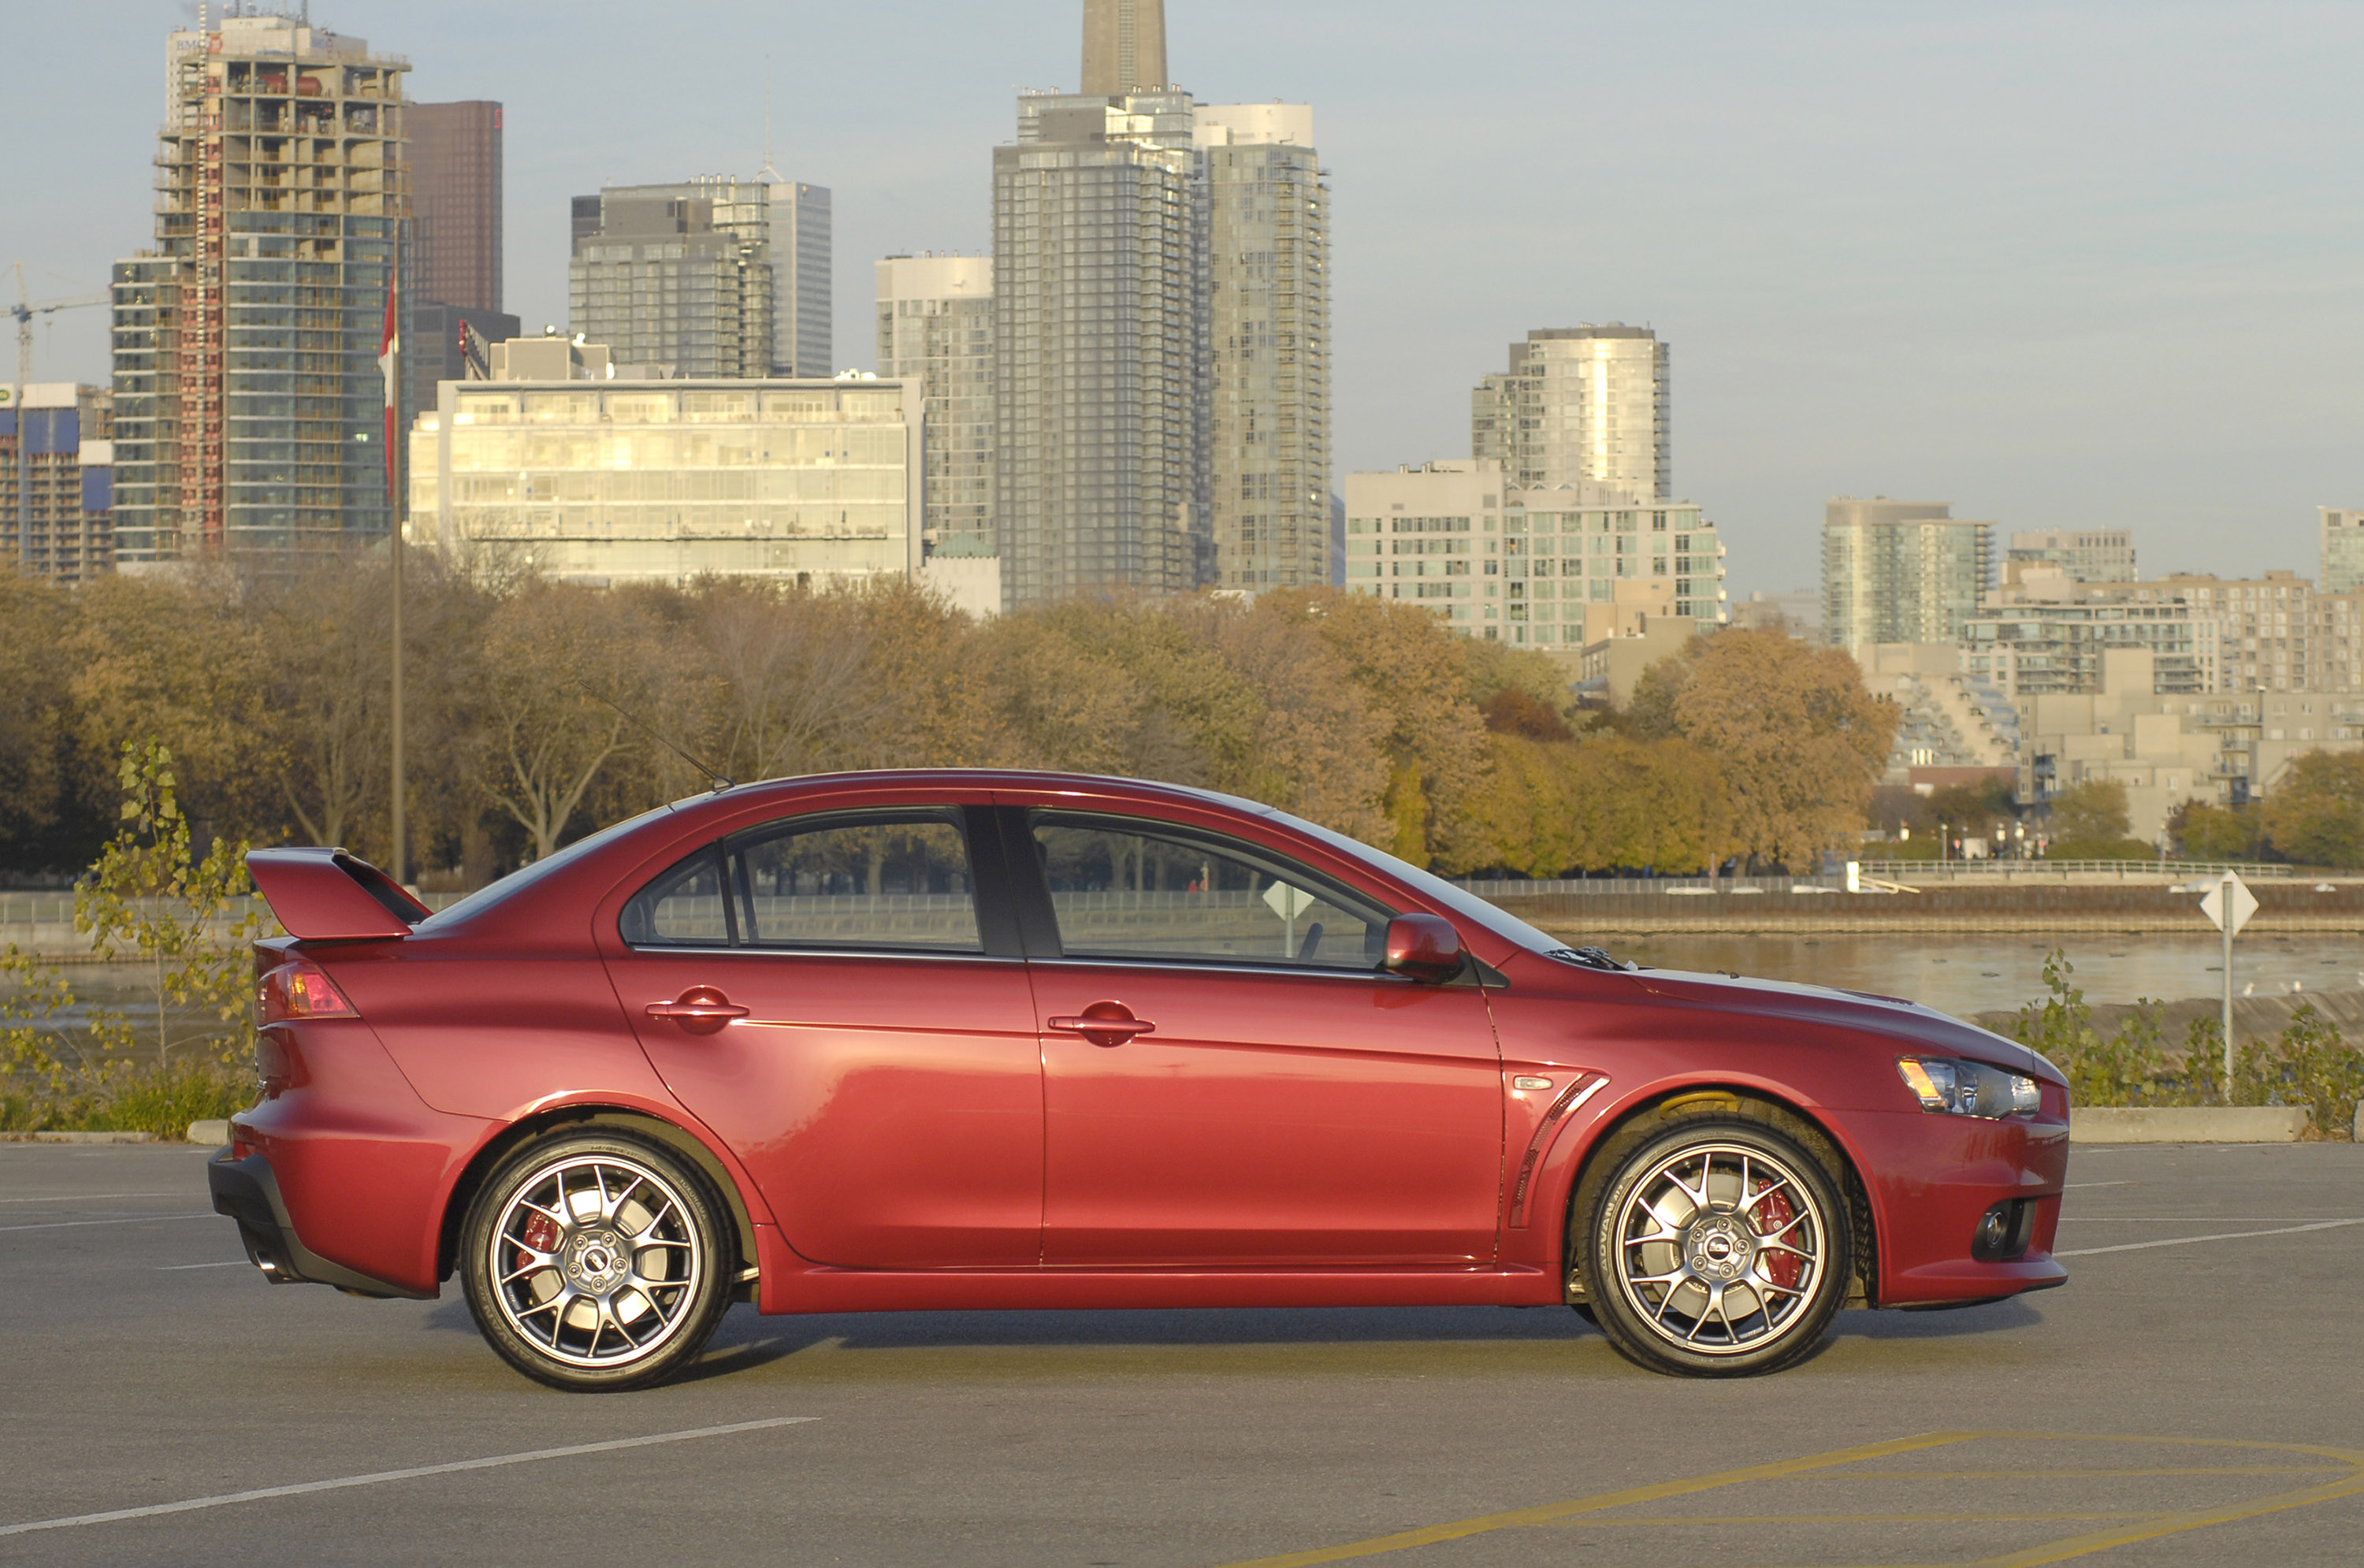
[(389, 345)]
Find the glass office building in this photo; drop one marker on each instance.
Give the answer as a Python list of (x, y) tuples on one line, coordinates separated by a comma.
[(935, 334)]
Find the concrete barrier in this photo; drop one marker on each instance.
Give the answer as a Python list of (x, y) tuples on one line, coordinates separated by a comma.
[(215, 1131), (79, 1136), (2189, 1124)]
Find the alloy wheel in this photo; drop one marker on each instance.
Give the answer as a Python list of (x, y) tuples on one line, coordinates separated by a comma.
[(596, 1261), (1720, 1249)]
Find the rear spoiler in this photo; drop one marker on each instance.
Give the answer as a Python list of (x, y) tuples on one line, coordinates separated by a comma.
[(327, 894)]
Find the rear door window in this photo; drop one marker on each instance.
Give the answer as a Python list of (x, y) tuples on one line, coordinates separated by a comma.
[(870, 881)]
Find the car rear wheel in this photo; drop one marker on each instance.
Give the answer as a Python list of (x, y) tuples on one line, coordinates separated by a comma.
[(595, 1261), (1719, 1249)]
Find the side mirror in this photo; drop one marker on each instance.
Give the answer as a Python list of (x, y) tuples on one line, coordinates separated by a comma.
[(1423, 947)]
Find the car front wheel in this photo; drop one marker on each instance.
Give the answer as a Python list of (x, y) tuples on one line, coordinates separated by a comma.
[(595, 1262), (1719, 1249)]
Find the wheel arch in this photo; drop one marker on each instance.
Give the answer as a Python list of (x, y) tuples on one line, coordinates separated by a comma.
[(569, 1117), (1608, 1140)]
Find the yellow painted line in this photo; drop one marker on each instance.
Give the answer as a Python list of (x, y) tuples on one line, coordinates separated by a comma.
[(2175, 1524), (2091, 1475), (1551, 1513), (1662, 1520)]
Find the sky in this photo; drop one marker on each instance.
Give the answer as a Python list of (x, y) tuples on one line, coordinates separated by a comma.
[(2087, 265)]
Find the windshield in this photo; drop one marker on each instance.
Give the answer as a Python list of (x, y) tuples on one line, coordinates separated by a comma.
[(1509, 928), (525, 876)]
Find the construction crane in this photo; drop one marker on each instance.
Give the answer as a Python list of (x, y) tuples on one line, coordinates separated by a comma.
[(25, 309)]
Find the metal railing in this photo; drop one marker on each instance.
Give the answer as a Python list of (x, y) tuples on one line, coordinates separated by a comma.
[(1906, 869)]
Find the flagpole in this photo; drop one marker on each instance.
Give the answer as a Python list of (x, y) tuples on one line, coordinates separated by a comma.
[(391, 344)]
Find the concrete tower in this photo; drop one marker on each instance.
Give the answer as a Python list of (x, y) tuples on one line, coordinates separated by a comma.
[(1125, 47)]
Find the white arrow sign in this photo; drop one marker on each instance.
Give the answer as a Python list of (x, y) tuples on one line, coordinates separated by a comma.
[(2230, 897)]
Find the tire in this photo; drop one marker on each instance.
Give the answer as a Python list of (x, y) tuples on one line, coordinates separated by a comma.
[(1718, 1248), (596, 1261)]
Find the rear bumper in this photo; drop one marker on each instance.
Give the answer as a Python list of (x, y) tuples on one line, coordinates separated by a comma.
[(248, 1191)]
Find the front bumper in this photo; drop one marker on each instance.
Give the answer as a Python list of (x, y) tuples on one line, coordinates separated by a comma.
[(248, 1191)]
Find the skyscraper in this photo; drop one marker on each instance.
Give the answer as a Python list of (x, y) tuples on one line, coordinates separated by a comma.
[(1125, 47), (678, 277), (1268, 331), (1099, 333), (789, 220), (1901, 571), (935, 335), (798, 216), (455, 204), (249, 396), (1580, 404)]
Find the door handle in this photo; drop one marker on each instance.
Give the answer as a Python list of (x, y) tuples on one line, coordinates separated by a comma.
[(700, 1010), (1105, 1024)]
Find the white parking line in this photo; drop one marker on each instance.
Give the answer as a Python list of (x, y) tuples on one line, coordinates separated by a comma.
[(92, 1197), (2072, 1185), (136, 1219), (493, 1462), (2196, 1240), (177, 1268)]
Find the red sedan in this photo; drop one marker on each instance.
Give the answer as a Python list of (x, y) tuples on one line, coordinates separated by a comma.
[(890, 1042)]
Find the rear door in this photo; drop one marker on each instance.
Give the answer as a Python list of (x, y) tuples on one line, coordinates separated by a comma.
[(830, 996), (1228, 1078)]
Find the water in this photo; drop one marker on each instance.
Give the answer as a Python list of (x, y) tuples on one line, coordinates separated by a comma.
[(1969, 973), (1955, 972)]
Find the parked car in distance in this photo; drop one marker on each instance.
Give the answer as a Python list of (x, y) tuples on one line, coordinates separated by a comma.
[(962, 1039)]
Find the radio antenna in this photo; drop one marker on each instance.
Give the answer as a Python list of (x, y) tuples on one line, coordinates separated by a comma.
[(713, 778)]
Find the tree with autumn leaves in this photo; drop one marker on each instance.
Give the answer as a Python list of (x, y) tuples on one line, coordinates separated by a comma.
[(540, 711)]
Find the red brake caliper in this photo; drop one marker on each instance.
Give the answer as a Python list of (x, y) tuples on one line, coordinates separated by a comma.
[(541, 1234), (1773, 1217)]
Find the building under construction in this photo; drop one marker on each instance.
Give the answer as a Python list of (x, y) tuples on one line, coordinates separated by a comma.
[(248, 399), (57, 481)]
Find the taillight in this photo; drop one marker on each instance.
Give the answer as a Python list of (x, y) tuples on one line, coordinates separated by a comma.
[(298, 990)]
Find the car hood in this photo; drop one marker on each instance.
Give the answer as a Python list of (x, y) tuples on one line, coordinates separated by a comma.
[(1910, 1023)]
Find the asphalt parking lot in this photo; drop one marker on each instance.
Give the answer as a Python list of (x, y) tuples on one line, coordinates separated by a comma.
[(2183, 1400)]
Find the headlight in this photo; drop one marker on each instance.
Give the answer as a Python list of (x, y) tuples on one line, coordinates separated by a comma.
[(1967, 1088)]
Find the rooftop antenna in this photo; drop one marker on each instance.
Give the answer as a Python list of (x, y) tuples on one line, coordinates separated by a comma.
[(769, 173), (713, 778)]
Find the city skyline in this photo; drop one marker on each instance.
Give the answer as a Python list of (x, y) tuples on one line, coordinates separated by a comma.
[(2020, 307)]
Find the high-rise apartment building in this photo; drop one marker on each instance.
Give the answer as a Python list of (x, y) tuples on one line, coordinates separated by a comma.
[(249, 397), (455, 204), (679, 276), (1100, 337), (57, 481), (1553, 568), (1901, 571), (2083, 555), (935, 335), (1579, 404), (1268, 338), (2048, 634), (788, 220), (2343, 548)]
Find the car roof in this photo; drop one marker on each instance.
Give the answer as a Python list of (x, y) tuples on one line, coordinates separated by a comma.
[(979, 778)]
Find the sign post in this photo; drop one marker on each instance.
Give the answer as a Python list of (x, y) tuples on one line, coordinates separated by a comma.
[(1288, 903), (2228, 904)]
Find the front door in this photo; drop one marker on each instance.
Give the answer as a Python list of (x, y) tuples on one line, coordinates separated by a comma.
[(820, 993), (1286, 1105)]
